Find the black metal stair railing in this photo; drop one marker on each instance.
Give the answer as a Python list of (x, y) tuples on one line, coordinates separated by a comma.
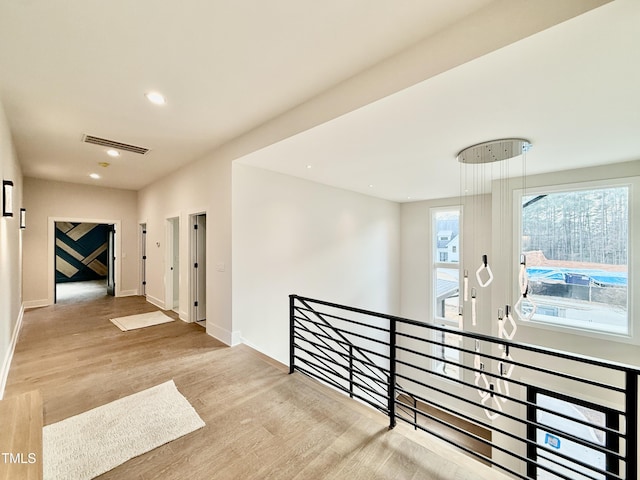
[(549, 403)]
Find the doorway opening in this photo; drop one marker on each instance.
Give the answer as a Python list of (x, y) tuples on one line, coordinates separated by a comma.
[(198, 284), (84, 261), (172, 274)]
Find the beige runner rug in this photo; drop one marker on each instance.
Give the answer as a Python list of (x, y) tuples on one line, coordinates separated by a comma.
[(141, 320)]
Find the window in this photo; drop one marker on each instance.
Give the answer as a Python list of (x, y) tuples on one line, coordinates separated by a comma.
[(576, 242), (554, 448), (446, 286)]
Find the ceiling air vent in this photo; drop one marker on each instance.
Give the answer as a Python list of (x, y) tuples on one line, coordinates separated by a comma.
[(111, 144)]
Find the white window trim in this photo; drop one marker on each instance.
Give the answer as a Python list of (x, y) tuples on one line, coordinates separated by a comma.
[(435, 263), (633, 183)]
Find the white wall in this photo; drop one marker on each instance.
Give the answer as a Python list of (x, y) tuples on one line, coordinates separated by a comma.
[(48, 200), (10, 254), (294, 236), (201, 187)]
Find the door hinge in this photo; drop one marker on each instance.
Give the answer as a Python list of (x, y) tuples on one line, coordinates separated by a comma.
[(195, 304), (195, 265), (144, 257), (195, 227), (144, 283)]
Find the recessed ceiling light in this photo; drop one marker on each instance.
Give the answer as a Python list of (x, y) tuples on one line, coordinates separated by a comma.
[(113, 153), (155, 97), (94, 176), (308, 166), (370, 185)]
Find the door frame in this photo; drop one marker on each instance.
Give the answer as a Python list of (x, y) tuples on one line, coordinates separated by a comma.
[(51, 251), (169, 270), (142, 255), (192, 260)]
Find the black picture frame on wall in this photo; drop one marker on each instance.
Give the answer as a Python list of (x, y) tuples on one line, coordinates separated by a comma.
[(7, 198)]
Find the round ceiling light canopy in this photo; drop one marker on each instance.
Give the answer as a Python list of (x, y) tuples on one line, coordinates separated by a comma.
[(494, 150)]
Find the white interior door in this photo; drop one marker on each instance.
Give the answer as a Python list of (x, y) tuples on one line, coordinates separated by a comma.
[(143, 259), (199, 271), (172, 273), (176, 265)]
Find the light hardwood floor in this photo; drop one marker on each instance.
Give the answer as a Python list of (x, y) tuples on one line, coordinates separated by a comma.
[(261, 423)]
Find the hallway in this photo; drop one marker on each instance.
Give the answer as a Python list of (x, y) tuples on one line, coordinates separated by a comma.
[(261, 422)]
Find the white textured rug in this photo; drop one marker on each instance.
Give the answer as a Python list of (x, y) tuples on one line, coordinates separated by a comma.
[(141, 320), (94, 442)]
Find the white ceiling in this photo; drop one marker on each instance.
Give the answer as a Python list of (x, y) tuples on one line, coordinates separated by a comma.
[(572, 90), (83, 66)]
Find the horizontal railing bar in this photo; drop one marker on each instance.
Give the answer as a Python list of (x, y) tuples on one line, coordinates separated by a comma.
[(372, 403), (343, 319), (523, 440), (491, 357), (326, 368), (345, 367), (382, 409), (513, 362), (345, 356), (292, 310), (379, 373), (482, 423), (505, 414), (511, 381), (466, 449), (346, 346), (362, 358), (319, 313), (548, 351), (342, 331), (507, 433), (573, 469), (342, 343), (365, 389), (498, 447)]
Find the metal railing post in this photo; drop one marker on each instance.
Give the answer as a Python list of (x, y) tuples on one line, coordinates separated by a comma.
[(392, 374), (291, 332), (351, 371), (631, 411)]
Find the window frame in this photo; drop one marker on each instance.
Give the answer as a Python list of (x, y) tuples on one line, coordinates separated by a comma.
[(633, 184), (611, 422), (435, 263)]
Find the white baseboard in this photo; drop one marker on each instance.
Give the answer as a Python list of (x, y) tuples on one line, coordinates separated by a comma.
[(36, 303), (155, 301), (219, 333), (6, 364), (128, 293), (236, 338)]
